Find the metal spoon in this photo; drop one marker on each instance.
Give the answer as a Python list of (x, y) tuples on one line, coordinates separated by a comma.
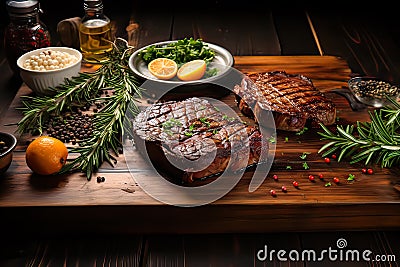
[(354, 103)]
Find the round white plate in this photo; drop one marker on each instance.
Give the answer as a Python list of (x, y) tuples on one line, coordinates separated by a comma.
[(222, 61)]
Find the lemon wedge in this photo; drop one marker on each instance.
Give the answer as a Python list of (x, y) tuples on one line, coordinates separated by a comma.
[(192, 70), (163, 68)]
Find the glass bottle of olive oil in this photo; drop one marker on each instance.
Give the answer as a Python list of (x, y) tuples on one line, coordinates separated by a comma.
[(95, 32)]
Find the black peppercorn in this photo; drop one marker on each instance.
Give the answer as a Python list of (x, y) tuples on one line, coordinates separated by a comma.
[(69, 126), (100, 179)]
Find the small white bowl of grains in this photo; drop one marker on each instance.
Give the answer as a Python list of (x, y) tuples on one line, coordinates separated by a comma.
[(46, 68)]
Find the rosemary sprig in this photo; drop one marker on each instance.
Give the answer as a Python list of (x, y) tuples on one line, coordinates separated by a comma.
[(108, 125), (377, 140), (76, 91)]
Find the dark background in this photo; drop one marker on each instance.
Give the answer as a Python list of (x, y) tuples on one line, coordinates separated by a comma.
[(367, 36)]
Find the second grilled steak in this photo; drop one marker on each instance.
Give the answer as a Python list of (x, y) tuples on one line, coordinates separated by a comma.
[(192, 139), (292, 98)]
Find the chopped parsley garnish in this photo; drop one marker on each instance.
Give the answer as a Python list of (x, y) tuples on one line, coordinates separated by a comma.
[(302, 131), (351, 177), (171, 123), (226, 117), (305, 165), (181, 51), (210, 72), (205, 121), (304, 155), (191, 128)]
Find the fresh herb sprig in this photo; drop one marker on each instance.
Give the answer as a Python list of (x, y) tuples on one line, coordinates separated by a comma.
[(108, 124), (377, 140), (75, 92), (181, 51)]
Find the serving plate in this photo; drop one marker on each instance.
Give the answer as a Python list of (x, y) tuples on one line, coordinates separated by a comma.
[(223, 58), (223, 62)]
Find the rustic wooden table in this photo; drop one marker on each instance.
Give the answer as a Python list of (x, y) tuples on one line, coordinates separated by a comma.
[(69, 221), (371, 200)]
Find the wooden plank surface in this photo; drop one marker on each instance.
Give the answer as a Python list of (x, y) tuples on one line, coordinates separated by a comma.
[(254, 34), (295, 35), (217, 250), (200, 250), (366, 40), (371, 202), (80, 250)]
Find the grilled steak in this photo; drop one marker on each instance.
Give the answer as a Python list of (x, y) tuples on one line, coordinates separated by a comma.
[(292, 98), (192, 139)]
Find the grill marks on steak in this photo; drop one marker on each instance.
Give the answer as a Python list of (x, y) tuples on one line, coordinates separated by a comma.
[(292, 98), (194, 133), (167, 121)]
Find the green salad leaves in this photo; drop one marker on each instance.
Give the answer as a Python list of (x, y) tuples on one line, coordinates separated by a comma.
[(181, 51)]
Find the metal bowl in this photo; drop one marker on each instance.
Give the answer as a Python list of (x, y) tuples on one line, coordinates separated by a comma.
[(373, 91), (223, 62), (6, 154)]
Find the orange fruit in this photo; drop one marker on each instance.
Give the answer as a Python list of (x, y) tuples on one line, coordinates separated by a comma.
[(46, 155), (163, 68), (192, 70)]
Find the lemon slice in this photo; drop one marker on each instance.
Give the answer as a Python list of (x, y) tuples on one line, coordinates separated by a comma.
[(163, 68), (192, 70)]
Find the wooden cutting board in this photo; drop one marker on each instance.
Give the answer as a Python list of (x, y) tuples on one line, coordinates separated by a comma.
[(370, 202)]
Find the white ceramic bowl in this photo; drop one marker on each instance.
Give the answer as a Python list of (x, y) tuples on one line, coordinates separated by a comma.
[(40, 81)]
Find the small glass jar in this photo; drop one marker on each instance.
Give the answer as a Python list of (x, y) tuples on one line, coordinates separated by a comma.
[(25, 32), (95, 33)]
